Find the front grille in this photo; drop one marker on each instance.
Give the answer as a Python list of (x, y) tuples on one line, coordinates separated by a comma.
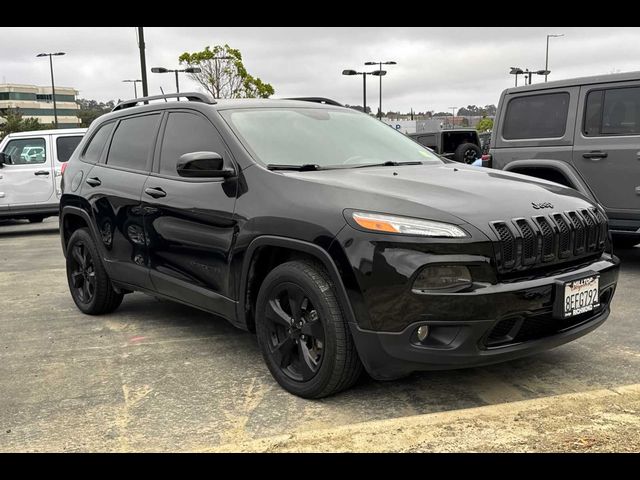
[(542, 240)]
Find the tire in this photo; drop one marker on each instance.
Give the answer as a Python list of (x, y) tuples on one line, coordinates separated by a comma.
[(36, 219), (316, 355), (84, 267), (467, 153), (625, 242)]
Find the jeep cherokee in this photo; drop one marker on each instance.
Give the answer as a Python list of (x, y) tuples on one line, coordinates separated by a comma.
[(340, 242)]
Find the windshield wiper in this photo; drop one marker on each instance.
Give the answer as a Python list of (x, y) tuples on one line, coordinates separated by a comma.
[(388, 163), (299, 168)]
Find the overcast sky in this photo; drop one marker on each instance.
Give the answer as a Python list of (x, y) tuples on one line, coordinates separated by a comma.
[(437, 67)]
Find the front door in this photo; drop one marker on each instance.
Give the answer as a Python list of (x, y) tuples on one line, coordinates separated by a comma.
[(607, 144), (28, 178), (189, 221)]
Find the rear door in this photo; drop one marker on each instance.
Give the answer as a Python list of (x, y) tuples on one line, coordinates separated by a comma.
[(63, 147), (28, 178), (607, 143)]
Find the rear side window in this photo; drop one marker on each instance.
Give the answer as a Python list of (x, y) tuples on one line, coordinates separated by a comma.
[(536, 116), (612, 112), (93, 150), (65, 147), (132, 142), (186, 133)]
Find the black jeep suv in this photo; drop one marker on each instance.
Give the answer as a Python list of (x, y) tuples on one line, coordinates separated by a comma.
[(339, 241)]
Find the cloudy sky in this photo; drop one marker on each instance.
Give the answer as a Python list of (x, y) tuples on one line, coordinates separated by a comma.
[(437, 67)]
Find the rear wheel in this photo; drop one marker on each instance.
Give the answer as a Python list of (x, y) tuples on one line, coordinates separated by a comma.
[(302, 333), (89, 284)]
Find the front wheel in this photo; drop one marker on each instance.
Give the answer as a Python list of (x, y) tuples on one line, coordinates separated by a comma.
[(303, 336), (89, 284)]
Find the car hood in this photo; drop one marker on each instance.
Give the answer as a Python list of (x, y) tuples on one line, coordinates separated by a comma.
[(465, 194)]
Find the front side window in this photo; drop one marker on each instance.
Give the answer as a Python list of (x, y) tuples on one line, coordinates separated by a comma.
[(65, 147), (186, 133), (325, 137), (132, 142), (612, 112), (26, 151), (536, 116)]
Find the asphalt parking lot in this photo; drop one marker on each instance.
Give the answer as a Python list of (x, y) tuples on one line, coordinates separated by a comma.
[(157, 376)]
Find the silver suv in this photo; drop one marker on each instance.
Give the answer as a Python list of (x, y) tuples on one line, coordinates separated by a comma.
[(583, 133), (31, 164)]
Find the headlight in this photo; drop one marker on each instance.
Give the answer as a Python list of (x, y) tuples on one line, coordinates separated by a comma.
[(409, 226), (443, 278)]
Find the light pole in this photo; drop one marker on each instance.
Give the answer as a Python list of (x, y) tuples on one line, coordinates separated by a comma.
[(380, 70), (546, 62), (516, 71), (185, 70), (453, 118), (527, 73), (53, 85), (377, 73), (135, 90)]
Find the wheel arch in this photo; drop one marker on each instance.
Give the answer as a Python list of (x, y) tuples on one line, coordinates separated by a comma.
[(71, 218), (295, 249), (549, 169)]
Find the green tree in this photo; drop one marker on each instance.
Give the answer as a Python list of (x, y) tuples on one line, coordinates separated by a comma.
[(225, 78), (13, 121), (91, 109), (484, 125)]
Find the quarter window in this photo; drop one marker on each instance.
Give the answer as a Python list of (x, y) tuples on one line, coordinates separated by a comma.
[(93, 150), (26, 151), (536, 116), (132, 142), (185, 133), (612, 112), (65, 147)]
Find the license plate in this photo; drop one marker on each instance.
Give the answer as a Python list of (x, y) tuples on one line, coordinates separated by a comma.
[(580, 296)]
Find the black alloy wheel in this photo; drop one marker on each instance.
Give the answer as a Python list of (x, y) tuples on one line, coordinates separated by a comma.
[(83, 273)]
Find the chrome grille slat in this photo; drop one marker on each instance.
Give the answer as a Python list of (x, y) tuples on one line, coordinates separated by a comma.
[(525, 243)]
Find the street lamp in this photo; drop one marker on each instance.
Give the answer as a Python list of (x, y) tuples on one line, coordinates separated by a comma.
[(53, 85), (380, 70), (135, 90), (377, 73), (546, 62), (516, 71), (453, 118), (185, 70)]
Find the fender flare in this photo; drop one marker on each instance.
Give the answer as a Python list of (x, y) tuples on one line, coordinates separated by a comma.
[(299, 245), (78, 212), (565, 169)]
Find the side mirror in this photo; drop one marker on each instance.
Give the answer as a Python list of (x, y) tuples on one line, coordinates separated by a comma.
[(203, 165), (3, 159)]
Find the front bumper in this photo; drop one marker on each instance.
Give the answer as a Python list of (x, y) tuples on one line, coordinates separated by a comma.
[(495, 324)]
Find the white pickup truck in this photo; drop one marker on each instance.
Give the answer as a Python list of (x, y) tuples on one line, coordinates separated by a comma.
[(31, 169)]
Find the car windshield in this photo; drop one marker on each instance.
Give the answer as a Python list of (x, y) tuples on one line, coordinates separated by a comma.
[(328, 138)]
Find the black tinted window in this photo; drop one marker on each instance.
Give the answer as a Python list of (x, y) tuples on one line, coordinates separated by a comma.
[(132, 142), (94, 148), (65, 147), (536, 116), (613, 112), (185, 133)]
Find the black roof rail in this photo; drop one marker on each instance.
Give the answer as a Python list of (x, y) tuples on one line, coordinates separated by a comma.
[(191, 96), (326, 101)]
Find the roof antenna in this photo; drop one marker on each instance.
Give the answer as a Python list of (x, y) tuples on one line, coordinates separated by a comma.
[(165, 100)]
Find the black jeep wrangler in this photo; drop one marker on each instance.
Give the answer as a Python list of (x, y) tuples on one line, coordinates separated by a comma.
[(459, 144), (339, 241)]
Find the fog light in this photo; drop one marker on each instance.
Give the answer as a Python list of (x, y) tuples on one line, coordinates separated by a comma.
[(423, 332), (443, 278)]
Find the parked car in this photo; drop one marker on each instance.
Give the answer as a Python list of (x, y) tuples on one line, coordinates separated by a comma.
[(459, 144), (583, 133), (30, 171), (338, 240)]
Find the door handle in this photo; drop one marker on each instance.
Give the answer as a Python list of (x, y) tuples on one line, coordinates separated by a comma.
[(155, 192), (595, 155), (41, 172), (94, 181)]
